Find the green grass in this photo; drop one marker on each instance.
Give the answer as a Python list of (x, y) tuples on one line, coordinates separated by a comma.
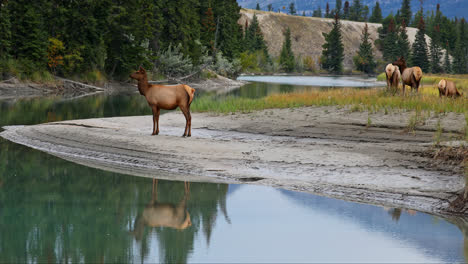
[(372, 100)]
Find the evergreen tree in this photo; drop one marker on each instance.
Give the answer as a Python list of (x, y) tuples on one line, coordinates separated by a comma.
[(436, 51), (417, 18), (5, 31), (346, 10), (365, 13), (287, 59), (303, 13), (391, 51), (31, 38), (459, 65), (333, 49), (327, 11), (253, 39), (270, 7), (208, 30), (376, 14), (447, 64), (403, 43), (258, 6), (405, 11), (419, 55), (292, 9), (364, 60), (317, 12), (337, 8), (355, 12)]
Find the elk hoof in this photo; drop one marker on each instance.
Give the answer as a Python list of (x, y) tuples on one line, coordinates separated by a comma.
[(189, 135)]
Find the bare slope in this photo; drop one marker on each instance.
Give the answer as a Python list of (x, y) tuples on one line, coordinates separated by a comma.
[(306, 33)]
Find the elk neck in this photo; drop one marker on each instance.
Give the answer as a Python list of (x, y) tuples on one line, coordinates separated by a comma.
[(143, 85)]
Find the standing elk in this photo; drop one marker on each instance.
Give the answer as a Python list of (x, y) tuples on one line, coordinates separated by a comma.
[(410, 76), (167, 97)]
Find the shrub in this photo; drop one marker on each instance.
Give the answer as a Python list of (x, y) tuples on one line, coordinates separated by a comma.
[(173, 63)]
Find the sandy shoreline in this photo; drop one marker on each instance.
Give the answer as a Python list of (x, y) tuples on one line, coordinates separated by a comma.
[(328, 151)]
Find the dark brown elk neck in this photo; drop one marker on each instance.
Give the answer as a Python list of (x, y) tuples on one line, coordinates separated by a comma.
[(402, 67), (143, 85)]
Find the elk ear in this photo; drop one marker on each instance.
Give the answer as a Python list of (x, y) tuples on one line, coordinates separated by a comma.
[(142, 70)]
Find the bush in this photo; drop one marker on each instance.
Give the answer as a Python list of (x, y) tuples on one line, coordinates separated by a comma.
[(173, 63), (309, 64), (226, 68)]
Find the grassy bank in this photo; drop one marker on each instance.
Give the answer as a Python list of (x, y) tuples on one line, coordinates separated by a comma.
[(461, 80), (359, 100)]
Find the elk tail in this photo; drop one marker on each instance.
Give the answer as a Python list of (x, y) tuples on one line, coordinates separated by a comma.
[(417, 72), (190, 91)]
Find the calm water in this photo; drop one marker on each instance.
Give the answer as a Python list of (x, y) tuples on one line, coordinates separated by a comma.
[(52, 210)]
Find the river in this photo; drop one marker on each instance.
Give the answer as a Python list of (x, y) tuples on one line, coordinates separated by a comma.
[(54, 210)]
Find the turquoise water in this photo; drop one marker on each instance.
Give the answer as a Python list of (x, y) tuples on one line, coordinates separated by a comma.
[(52, 210)]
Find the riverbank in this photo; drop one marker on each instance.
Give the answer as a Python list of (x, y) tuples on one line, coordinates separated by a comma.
[(14, 89), (327, 151)]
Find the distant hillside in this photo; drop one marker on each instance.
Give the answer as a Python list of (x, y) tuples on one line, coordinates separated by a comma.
[(306, 34), (450, 8)]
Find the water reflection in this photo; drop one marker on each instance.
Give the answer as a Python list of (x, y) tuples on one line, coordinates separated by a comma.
[(53, 210), (159, 214), (318, 81)]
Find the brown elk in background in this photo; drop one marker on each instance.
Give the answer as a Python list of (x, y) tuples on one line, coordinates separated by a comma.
[(167, 97), (448, 88), (393, 75), (410, 76)]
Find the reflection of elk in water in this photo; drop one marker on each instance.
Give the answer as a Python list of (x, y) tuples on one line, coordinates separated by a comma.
[(158, 214)]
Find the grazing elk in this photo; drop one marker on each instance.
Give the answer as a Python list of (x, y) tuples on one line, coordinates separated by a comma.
[(166, 97), (448, 88), (410, 76)]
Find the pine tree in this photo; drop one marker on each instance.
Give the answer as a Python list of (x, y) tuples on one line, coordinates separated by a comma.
[(436, 51), (447, 64), (376, 14), (337, 8), (405, 11), (303, 13), (460, 59), (31, 38), (333, 49), (317, 12), (419, 55), (5, 31), (292, 9), (258, 6), (364, 60), (253, 39), (355, 12), (403, 43), (365, 13), (327, 11), (287, 59), (391, 51), (270, 7), (346, 10), (208, 29)]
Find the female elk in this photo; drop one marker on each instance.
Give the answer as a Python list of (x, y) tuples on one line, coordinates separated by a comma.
[(166, 97), (410, 76)]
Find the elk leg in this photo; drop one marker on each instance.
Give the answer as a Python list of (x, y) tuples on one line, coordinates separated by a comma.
[(188, 120), (155, 121)]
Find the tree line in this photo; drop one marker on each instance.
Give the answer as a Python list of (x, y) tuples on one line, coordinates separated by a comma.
[(113, 37)]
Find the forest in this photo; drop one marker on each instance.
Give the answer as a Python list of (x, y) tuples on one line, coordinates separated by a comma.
[(104, 39)]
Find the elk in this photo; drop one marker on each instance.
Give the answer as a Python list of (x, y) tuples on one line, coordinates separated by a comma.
[(167, 97), (393, 75), (157, 214), (410, 76), (448, 88)]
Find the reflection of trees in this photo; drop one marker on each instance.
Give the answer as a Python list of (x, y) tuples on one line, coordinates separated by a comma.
[(53, 210), (41, 110)]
